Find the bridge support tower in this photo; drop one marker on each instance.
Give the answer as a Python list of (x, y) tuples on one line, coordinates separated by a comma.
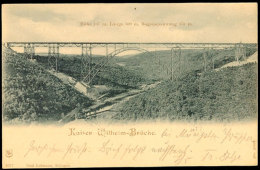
[(53, 56), (175, 53), (240, 52), (208, 59), (29, 51), (86, 62)]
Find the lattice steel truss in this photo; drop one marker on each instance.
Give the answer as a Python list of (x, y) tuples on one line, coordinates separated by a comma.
[(53, 56), (240, 52), (29, 50), (89, 69), (176, 53)]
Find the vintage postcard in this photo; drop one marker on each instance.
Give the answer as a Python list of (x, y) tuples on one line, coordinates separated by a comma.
[(129, 85)]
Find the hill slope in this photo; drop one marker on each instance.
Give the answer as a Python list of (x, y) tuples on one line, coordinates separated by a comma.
[(111, 74), (156, 65), (32, 94), (229, 94)]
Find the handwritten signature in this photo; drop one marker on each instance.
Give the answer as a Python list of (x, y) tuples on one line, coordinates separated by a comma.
[(72, 149), (226, 156), (41, 148)]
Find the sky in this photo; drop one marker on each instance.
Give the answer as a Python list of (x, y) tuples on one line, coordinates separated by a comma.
[(187, 22)]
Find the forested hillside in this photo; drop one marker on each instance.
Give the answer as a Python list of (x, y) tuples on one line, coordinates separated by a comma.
[(32, 94), (156, 65), (228, 94)]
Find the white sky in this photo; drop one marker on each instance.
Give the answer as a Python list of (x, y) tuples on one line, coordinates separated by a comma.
[(227, 22)]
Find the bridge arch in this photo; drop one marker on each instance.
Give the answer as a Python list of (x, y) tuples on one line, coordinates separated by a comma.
[(92, 73), (121, 50)]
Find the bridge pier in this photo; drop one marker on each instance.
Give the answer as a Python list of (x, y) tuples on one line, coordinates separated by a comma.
[(53, 56), (90, 62), (240, 52), (84, 60), (212, 57), (208, 58), (29, 50), (205, 59), (176, 53), (107, 52), (159, 61)]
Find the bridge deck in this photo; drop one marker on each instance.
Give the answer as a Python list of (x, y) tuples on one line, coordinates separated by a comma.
[(131, 44)]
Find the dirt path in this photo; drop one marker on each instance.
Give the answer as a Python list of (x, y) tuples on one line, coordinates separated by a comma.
[(251, 59), (108, 108), (101, 109), (111, 106), (77, 85)]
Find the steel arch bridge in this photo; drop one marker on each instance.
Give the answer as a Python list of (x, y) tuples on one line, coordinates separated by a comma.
[(118, 51), (89, 72)]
